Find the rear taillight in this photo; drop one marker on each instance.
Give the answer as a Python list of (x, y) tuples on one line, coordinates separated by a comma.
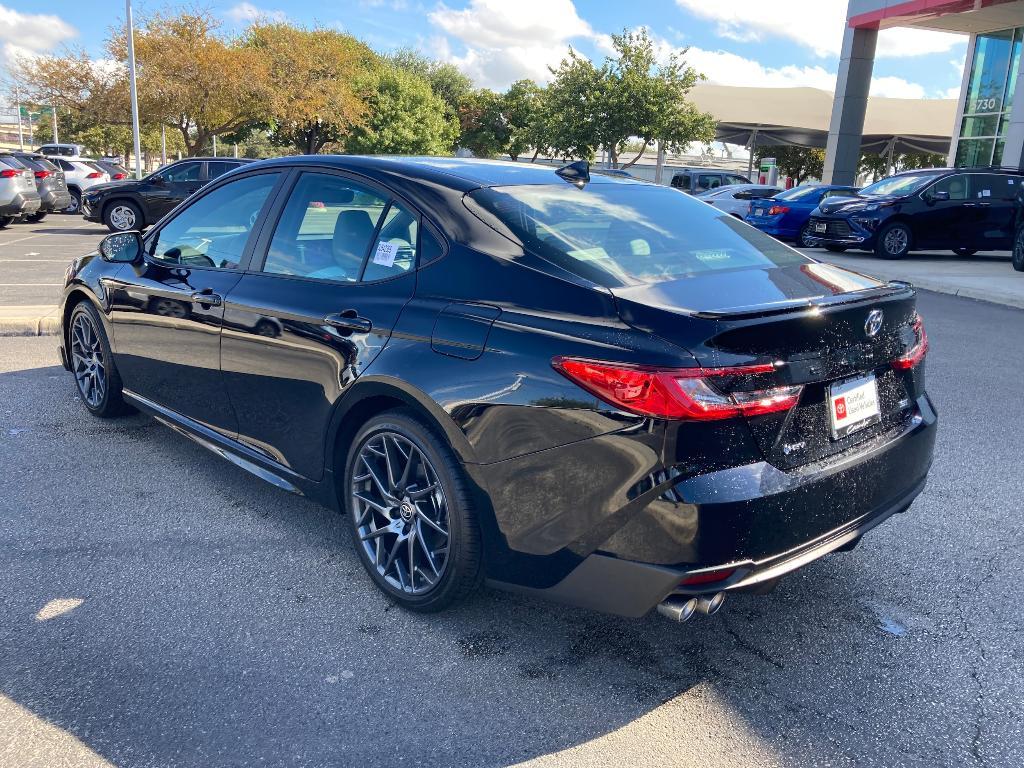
[(677, 393), (9, 173), (775, 210), (916, 353), (119, 176), (94, 175), (42, 174)]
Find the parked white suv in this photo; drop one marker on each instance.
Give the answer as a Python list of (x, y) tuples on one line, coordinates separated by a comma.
[(80, 174)]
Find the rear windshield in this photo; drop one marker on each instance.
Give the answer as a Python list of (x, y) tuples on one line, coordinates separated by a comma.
[(799, 193), (899, 185), (38, 163), (628, 234), (13, 161)]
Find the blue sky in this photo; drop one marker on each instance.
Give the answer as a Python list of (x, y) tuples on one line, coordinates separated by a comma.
[(734, 42)]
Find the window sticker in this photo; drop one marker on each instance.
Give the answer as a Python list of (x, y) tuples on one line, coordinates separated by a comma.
[(385, 255), (986, 193)]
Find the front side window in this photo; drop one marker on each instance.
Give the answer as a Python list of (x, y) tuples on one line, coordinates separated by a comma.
[(955, 186), (183, 172), (615, 235), (707, 181), (326, 229), (213, 231)]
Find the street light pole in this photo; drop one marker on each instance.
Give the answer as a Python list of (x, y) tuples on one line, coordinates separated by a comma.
[(53, 111), (134, 92), (163, 144)]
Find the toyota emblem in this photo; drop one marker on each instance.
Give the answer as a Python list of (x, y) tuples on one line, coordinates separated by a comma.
[(873, 324)]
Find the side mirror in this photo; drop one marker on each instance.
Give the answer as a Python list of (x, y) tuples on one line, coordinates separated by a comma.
[(122, 248), (939, 197), (158, 180)]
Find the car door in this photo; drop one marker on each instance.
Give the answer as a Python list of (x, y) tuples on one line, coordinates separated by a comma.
[(994, 196), (167, 312), (318, 306), (943, 223), (166, 188)]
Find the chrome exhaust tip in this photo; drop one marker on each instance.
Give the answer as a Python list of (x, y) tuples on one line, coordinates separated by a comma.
[(678, 608), (709, 604)]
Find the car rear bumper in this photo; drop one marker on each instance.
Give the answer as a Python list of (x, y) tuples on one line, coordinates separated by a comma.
[(775, 230), (54, 200), (21, 204), (757, 521)]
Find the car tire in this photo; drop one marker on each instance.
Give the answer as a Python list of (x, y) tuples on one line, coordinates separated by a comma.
[(398, 523), (35, 218), (122, 216), (96, 376), (835, 248), (1018, 251), (5, 221), (965, 251), (75, 206), (893, 241), (801, 238)]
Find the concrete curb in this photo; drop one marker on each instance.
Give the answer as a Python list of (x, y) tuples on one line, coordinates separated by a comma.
[(979, 294), (29, 321)]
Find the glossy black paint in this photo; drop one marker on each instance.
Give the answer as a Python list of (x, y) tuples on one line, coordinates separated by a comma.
[(154, 196), (562, 482), (983, 220)]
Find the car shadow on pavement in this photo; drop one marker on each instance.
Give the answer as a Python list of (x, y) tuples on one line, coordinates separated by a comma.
[(224, 622)]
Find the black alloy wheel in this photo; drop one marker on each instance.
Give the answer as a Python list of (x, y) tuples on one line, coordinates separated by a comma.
[(96, 377), (409, 513), (802, 238), (1018, 251)]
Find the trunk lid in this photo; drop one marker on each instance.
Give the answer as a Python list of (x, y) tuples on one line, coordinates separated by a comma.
[(811, 320)]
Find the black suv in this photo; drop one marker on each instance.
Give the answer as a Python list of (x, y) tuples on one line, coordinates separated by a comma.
[(131, 204), (964, 210)]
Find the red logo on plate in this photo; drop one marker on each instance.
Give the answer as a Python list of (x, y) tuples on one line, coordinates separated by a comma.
[(841, 408)]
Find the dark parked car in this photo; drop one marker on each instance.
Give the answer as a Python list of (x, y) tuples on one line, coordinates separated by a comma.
[(786, 215), (136, 204), (964, 210), (586, 388), (50, 184), (697, 180)]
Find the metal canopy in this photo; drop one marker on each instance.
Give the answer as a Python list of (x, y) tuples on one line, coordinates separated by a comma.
[(801, 116)]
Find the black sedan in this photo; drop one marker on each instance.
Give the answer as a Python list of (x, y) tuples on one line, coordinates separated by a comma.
[(586, 388), (134, 204)]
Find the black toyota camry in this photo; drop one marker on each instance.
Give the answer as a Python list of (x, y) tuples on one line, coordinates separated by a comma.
[(587, 388)]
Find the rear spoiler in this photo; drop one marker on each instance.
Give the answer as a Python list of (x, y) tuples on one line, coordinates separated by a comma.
[(891, 288)]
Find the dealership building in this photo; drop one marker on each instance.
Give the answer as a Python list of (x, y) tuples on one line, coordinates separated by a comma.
[(989, 127)]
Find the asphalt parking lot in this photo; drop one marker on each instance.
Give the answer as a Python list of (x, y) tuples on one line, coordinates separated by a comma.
[(160, 607), (33, 257)]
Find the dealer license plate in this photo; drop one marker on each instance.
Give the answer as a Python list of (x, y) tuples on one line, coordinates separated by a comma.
[(820, 226), (853, 405)]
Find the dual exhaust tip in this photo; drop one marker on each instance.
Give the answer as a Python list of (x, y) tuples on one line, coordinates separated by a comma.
[(681, 608)]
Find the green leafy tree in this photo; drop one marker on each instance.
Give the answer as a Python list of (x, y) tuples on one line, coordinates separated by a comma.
[(521, 107), (404, 116), (576, 105), (482, 126), (445, 79), (877, 165), (799, 163)]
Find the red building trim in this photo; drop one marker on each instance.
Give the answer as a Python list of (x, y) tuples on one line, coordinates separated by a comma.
[(911, 10)]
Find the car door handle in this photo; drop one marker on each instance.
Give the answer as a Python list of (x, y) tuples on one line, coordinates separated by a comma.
[(349, 320), (207, 297)]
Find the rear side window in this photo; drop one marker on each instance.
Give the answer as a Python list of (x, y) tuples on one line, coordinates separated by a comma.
[(183, 172), (615, 235), (14, 162), (708, 181), (738, 179), (326, 229), (64, 164), (394, 250), (219, 168), (681, 180), (994, 185)]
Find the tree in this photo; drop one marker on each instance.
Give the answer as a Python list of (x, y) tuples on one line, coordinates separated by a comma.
[(404, 116), (631, 95), (877, 165), (482, 126), (319, 81), (445, 79), (522, 107), (799, 163)]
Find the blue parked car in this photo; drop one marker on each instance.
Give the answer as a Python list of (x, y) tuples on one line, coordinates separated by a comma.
[(785, 216)]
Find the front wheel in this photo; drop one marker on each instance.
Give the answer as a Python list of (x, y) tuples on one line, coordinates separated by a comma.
[(803, 238), (965, 251), (408, 507), (893, 241), (1018, 251), (96, 376), (35, 218), (76, 202), (122, 216)]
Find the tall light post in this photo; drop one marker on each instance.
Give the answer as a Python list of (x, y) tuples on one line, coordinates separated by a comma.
[(134, 93)]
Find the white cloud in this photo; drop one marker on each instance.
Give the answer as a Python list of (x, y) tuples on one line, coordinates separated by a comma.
[(30, 34), (814, 24), (505, 41), (245, 12)]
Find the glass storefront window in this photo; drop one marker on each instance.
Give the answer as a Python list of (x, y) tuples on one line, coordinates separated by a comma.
[(989, 97)]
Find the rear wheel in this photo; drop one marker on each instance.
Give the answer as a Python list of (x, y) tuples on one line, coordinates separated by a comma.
[(76, 202), (802, 238), (122, 215), (408, 506), (893, 241), (35, 218), (96, 376), (1018, 251), (836, 248), (5, 221), (965, 251)]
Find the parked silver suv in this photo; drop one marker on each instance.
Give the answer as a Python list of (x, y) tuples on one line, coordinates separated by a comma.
[(18, 195)]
